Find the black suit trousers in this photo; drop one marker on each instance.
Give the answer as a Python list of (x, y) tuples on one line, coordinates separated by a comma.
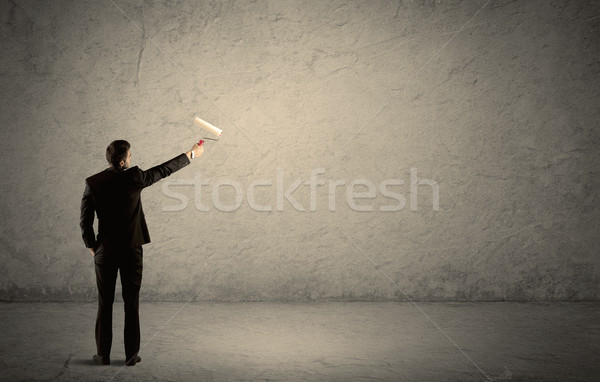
[(128, 262)]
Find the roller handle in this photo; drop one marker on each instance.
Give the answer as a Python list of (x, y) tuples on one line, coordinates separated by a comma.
[(200, 142)]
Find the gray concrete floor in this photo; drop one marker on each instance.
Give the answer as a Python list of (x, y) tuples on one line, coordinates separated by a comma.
[(309, 342)]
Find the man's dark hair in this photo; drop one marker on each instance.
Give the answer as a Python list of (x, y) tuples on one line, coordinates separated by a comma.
[(117, 152)]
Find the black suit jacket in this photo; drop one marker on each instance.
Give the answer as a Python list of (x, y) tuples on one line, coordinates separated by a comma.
[(115, 197)]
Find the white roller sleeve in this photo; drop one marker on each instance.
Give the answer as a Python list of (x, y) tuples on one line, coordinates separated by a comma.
[(208, 127)]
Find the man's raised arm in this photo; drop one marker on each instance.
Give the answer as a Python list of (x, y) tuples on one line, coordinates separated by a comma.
[(163, 170)]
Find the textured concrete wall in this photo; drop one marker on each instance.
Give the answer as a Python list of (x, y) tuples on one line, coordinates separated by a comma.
[(497, 103)]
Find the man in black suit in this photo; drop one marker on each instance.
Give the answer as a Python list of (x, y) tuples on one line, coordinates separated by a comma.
[(114, 195)]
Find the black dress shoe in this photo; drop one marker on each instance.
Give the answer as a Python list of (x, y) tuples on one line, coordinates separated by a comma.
[(99, 360), (133, 360)]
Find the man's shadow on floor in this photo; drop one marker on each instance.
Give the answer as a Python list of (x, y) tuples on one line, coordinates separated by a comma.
[(90, 362)]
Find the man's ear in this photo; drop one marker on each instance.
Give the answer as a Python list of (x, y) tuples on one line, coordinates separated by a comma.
[(122, 163)]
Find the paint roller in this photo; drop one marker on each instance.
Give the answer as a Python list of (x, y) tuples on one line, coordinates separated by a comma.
[(208, 127)]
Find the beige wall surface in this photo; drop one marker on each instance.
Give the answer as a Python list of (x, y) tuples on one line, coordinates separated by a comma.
[(371, 150)]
